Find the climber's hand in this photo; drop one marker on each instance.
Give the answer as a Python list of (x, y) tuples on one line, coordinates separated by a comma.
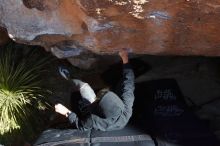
[(123, 53), (59, 108)]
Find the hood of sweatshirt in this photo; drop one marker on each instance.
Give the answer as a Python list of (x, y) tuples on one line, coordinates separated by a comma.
[(111, 105)]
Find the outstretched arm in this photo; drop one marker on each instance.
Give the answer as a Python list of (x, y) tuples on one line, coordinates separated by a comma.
[(127, 84), (81, 124)]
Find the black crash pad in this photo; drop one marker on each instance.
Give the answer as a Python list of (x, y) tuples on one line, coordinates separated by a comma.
[(128, 136)]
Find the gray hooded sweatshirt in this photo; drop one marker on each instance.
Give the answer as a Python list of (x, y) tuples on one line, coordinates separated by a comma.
[(115, 111)]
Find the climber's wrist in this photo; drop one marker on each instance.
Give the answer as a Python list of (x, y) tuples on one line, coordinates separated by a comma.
[(68, 113)]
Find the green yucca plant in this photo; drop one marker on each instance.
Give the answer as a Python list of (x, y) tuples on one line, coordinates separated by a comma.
[(20, 88)]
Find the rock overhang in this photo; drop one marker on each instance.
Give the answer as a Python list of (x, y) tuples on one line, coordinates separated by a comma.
[(183, 27)]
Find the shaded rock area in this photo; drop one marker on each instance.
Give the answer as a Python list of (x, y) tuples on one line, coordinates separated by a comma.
[(4, 38), (198, 79), (184, 27)]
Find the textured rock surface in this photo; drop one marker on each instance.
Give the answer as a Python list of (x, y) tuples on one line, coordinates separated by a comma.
[(168, 27)]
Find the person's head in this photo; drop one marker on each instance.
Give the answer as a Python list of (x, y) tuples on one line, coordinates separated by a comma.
[(102, 92)]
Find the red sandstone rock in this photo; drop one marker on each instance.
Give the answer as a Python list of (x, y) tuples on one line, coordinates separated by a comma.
[(167, 27)]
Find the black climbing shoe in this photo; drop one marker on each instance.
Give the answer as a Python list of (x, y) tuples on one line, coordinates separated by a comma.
[(64, 72)]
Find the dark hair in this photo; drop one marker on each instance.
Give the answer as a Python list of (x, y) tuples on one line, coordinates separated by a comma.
[(102, 92)]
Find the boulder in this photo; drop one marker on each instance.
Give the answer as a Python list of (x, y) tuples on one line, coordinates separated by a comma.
[(168, 27)]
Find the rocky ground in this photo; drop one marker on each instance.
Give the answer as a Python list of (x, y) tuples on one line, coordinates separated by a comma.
[(198, 78), (199, 81)]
